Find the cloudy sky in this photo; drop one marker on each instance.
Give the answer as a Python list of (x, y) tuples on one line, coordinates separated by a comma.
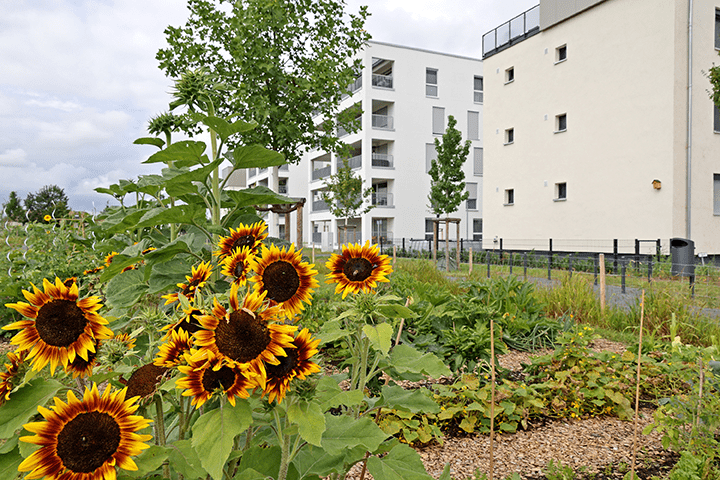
[(79, 79)]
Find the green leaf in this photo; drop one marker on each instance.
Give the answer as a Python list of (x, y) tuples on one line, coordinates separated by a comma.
[(9, 463), (185, 153), (249, 474), (380, 336), (331, 331), (184, 459), (263, 460), (316, 461), (330, 395), (259, 195), (213, 435), (126, 289), (256, 156), (401, 463), (119, 262), (177, 214), (149, 461), (415, 401), (396, 311), (23, 405), (344, 433), (122, 221), (310, 421), (182, 183), (158, 142), (224, 129), (9, 445), (168, 275), (405, 359)]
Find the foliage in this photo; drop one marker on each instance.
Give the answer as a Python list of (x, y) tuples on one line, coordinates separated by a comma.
[(49, 200), (278, 63), (447, 186), (13, 209), (344, 194)]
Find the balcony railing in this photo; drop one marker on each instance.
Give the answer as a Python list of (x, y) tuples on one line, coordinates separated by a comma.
[(516, 30), (320, 206), (321, 173), (284, 168), (262, 170), (382, 122), (317, 237), (382, 160), (382, 199), (353, 162), (382, 81), (354, 87)]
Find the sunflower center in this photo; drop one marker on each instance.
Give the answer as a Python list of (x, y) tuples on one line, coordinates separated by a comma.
[(242, 338), (285, 367), (244, 241), (357, 269), (240, 269), (190, 323), (87, 441), (60, 322), (281, 281), (144, 380), (223, 378)]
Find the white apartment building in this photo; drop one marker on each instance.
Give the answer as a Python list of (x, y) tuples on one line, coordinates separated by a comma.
[(405, 95), (598, 123)]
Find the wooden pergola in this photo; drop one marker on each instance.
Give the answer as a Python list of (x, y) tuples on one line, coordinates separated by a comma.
[(447, 221), (286, 209)]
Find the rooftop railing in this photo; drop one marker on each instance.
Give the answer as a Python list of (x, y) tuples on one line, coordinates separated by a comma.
[(516, 30)]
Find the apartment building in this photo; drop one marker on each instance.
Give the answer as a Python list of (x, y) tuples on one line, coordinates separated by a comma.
[(405, 96), (598, 123)]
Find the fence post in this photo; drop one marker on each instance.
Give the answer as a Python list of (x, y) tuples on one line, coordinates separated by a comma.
[(637, 255), (403, 244), (622, 279), (470, 260), (511, 263), (435, 243), (549, 265), (658, 249), (550, 252), (525, 265), (381, 245), (595, 270), (487, 257), (601, 266), (650, 260), (570, 264), (615, 255)]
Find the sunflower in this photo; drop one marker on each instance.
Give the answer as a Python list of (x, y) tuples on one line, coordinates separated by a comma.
[(59, 327), (287, 280), (109, 258), (47, 218), (296, 364), (247, 334), (81, 367), (189, 323), (144, 381), (93, 270), (206, 373), (245, 236), (171, 352), (86, 439), (126, 339), (148, 250), (8, 378), (200, 275), (238, 264), (358, 268)]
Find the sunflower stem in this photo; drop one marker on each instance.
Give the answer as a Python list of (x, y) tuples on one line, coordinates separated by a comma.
[(160, 430), (284, 457)]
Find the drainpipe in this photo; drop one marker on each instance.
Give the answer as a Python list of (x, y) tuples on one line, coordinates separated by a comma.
[(688, 161)]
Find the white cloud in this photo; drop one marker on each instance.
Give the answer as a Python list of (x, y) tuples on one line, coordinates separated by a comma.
[(87, 127), (13, 158), (54, 103)]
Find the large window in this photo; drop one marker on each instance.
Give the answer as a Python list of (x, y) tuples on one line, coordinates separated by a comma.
[(716, 194), (438, 120), (478, 89), (471, 188), (473, 126), (477, 228), (478, 161), (717, 29), (431, 82), (430, 155)]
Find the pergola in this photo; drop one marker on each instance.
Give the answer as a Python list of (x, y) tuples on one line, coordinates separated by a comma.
[(286, 209)]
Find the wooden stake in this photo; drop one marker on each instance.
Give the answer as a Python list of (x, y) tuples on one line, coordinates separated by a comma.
[(402, 321), (435, 241), (470, 260), (637, 386), (313, 253), (457, 251), (447, 245), (492, 400), (394, 253), (602, 282)]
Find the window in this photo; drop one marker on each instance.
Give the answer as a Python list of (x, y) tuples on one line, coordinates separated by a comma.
[(430, 155), (431, 82), (509, 74), (478, 89), (473, 126), (509, 136), (471, 188), (477, 228), (478, 161), (716, 119), (561, 54), (717, 29), (438, 120), (560, 123), (510, 196), (716, 194), (560, 191)]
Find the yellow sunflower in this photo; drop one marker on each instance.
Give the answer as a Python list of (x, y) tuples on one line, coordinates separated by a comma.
[(93, 270), (200, 275), (358, 268), (246, 335), (59, 326), (287, 280), (144, 381), (171, 352), (126, 339), (83, 368), (296, 364), (245, 236), (86, 439), (109, 258), (237, 265), (205, 373), (47, 218), (189, 322), (8, 379)]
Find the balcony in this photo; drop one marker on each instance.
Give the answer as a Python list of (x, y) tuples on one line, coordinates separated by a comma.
[(382, 160), (321, 173), (353, 162), (354, 87), (382, 122), (262, 170), (317, 237), (382, 199), (509, 33), (382, 81), (284, 168), (320, 206)]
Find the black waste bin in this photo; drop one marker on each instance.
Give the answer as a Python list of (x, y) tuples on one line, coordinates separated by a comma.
[(682, 252)]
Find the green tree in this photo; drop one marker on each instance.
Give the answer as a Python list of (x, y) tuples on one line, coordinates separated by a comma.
[(49, 200), (280, 62), (345, 195), (447, 185), (13, 208)]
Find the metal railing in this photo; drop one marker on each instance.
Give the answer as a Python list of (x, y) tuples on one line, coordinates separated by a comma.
[(317, 237), (384, 237), (284, 168), (320, 206), (382, 160), (517, 29), (382, 199), (382, 81), (353, 162), (321, 173), (382, 122)]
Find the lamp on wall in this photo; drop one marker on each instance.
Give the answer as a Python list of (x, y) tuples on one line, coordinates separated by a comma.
[(657, 185)]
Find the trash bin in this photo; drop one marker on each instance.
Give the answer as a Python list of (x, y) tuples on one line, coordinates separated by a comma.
[(682, 253)]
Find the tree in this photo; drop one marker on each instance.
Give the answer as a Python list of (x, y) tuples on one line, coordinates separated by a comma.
[(282, 62), (14, 209), (447, 186), (49, 200), (345, 196)]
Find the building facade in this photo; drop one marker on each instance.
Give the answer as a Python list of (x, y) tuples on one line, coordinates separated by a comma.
[(598, 123)]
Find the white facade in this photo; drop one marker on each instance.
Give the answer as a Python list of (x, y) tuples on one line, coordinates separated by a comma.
[(587, 110), (406, 96)]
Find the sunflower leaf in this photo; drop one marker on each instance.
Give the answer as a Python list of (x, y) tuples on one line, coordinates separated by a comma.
[(412, 400), (184, 153), (401, 463), (405, 359), (261, 459), (330, 395), (380, 336), (24, 404), (309, 419), (214, 432), (9, 463), (250, 156), (148, 461), (259, 195), (224, 128), (126, 289), (345, 433), (184, 459)]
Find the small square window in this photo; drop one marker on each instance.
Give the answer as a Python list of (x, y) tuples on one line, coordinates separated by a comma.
[(510, 196), (560, 123), (561, 54), (560, 191), (509, 74), (509, 136)]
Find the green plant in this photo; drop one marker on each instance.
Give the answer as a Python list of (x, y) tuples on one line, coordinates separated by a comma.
[(558, 471)]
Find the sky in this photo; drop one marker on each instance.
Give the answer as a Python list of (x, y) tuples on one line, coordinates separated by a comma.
[(79, 80)]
